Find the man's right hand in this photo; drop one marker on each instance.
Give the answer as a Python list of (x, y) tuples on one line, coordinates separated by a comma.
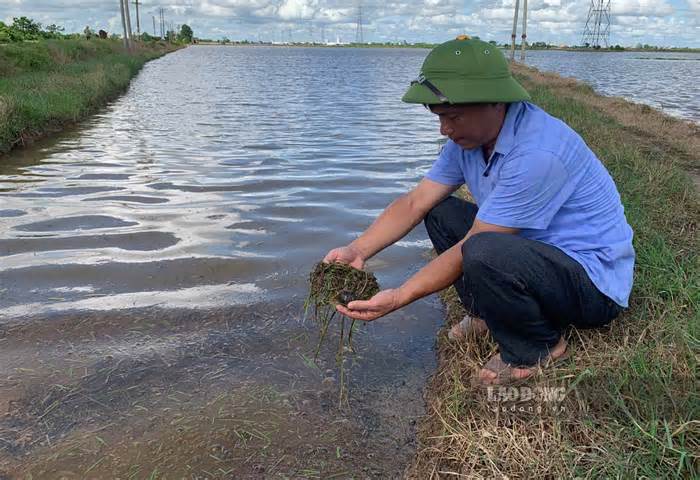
[(348, 255)]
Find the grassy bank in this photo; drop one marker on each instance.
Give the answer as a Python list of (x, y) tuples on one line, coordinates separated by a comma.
[(630, 408), (49, 84)]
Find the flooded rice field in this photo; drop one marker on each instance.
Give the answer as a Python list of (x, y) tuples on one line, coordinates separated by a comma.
[(663, 80), (154, 265)]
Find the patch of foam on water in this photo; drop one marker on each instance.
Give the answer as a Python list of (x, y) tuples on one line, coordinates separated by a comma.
[(249, 231), (196, 298), (84, 289), (424, 243)]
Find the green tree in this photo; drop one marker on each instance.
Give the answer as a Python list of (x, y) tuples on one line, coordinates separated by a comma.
[(53, 28), (5, 33), (185, 34), (28, 28), (52, 31)]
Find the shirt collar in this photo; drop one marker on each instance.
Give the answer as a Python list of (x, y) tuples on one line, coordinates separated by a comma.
[(506, 137)]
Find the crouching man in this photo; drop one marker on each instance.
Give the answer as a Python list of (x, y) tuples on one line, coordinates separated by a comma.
[(546, 243)]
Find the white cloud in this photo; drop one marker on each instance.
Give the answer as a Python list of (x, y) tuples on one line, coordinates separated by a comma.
[(298, 9), (556, 21), (652, 8)]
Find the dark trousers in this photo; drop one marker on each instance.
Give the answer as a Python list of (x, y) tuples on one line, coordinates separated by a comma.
[(526, 291)]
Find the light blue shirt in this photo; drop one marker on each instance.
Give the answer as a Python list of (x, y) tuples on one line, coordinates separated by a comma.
[(544, 180)]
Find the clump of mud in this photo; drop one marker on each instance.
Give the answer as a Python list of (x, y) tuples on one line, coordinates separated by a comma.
[(331, 284)]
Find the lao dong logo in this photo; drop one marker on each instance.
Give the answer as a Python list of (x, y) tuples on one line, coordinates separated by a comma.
[(526, 394)]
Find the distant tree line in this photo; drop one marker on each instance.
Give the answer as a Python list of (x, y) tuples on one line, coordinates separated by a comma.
[(25, 29)]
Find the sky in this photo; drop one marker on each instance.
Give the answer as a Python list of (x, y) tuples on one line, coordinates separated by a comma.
[(656, 22)]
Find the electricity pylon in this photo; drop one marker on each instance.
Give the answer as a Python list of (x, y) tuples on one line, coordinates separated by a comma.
[(359, 36), (596, 33)]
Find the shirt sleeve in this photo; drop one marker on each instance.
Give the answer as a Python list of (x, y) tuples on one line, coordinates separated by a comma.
[(530, 190), (446, 169)]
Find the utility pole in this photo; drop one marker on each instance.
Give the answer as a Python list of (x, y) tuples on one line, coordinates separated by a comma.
[(154, 26), (126, 35), (138, 19), (523, 39), (128, 19), (515, 28)]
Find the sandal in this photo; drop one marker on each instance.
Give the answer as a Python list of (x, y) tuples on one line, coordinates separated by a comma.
[(507, 373), (468, 326)]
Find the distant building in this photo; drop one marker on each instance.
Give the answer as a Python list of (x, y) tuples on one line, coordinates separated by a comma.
[(337, 42)]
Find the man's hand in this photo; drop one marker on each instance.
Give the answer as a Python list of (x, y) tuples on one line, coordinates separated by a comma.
[(379, 305), (348, 255)]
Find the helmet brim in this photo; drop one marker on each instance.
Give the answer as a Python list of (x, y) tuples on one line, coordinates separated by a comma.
[(481, 90)]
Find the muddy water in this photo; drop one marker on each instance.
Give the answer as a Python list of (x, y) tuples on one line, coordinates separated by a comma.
[(153, 266)]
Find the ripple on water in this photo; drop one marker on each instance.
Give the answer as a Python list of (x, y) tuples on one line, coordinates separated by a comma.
[(141, 241), (81, 222), (104, 176), (12, 213), (128, 198), (64, 192)]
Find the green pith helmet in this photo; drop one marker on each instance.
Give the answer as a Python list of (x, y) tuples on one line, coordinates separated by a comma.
[(465, 70)]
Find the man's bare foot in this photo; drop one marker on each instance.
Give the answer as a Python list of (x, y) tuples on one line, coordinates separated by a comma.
[(498, 372), (468, 326)]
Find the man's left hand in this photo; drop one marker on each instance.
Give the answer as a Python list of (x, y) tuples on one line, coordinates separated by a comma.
[(379, 305)]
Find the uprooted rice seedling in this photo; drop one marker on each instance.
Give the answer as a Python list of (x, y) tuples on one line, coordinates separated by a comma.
[(331, 284)]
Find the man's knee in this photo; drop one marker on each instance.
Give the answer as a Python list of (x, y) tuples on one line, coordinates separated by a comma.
[(441, 211)]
